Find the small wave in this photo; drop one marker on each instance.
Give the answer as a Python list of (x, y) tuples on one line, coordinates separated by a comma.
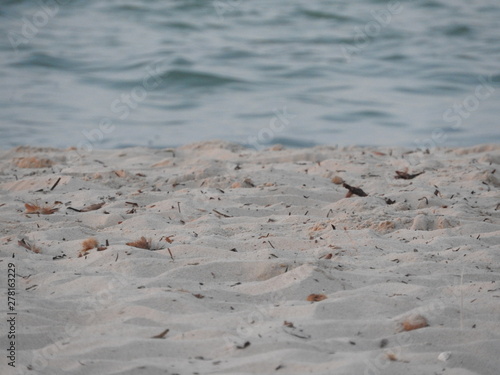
[(173, 78), (338, 118), (319, 14), (289, 142), (369, 113), (457, 30), (395, 57), (44, 60), (432, 4), (179, 25), (192, 79), (132, 8)]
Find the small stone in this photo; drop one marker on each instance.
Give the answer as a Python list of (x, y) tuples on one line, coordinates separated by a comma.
[(337, 180), (444, 356)]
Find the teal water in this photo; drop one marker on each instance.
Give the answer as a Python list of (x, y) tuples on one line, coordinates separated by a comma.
[(122, 73)]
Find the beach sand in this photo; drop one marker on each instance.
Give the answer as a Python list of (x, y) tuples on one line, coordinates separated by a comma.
[(254, 262)]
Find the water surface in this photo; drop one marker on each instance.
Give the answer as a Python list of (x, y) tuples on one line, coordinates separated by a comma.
[(163, 73)]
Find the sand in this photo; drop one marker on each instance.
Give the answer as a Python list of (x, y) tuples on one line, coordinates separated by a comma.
[(257, 263)]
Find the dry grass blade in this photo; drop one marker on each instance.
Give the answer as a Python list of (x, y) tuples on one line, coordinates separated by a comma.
[(142, 243), (33, 208), (28, 246)]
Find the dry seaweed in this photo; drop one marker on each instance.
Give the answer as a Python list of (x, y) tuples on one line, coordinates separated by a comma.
[(316, 297), (142, 243), (244, 346), (354, 190), (34, 208), (389, 201), (413, 322), (87, 245), (33, 162)]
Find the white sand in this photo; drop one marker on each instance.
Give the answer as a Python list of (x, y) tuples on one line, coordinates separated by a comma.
[(249, 233)]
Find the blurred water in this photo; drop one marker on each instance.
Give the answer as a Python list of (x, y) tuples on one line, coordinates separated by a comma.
[(298, 72)]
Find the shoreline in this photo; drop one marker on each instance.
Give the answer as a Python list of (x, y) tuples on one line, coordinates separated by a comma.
[(215, 258)]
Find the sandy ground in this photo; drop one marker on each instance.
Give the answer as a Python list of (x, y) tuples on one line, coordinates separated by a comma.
[(254, 262)]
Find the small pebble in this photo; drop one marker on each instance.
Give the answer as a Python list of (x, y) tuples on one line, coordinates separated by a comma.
[(337, 180), (444, 356)]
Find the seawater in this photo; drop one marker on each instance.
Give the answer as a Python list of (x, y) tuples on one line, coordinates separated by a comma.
[(102, 74)]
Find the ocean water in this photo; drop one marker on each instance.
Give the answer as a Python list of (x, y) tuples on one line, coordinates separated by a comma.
[(117, 73)]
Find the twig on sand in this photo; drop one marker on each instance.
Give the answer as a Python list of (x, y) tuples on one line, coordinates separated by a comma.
[(406, 176), (220, 213), (55, 184), (91, 207), (299, 335), (161, 335)]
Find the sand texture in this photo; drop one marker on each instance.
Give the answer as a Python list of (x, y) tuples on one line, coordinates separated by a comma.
[(216, 259)]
